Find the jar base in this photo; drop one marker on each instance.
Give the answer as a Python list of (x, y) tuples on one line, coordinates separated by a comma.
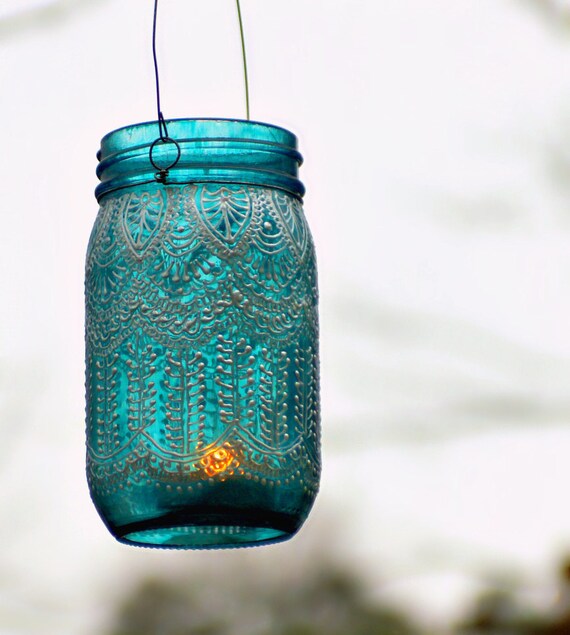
[(206, 531)]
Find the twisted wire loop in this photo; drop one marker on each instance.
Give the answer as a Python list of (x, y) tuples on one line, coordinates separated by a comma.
[(163, 170)]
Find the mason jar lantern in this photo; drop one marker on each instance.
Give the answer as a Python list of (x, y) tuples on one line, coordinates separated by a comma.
[(202, 368)]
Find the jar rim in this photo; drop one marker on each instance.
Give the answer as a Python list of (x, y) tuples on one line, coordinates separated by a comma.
[(209, 150), (245, 123)]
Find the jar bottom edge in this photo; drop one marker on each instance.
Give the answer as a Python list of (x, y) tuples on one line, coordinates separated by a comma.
[(209, 531)]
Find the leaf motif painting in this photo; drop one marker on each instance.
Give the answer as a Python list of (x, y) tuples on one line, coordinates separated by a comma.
[(142, 217), (226, 212)]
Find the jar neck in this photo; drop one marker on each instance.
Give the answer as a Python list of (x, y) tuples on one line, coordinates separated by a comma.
[(211, 150)]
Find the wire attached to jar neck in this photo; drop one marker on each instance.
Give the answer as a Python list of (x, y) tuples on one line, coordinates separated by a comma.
[(162, 170), (163, 138)]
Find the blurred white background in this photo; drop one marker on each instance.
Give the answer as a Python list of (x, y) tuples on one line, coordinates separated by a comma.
[(436, 138)]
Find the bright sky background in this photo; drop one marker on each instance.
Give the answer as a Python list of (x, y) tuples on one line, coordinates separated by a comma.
[(436, 138)]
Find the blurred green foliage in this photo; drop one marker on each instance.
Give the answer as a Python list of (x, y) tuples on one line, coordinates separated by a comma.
[(557, 11), (325, 599), (47, 14), (498, 612)]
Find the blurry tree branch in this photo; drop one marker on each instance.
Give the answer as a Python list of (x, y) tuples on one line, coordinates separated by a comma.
[(45, 15)]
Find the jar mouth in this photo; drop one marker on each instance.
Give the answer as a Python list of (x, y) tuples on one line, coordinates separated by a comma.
[(210, 150)]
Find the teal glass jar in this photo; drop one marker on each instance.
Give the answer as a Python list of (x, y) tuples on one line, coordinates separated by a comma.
[(202, 369)]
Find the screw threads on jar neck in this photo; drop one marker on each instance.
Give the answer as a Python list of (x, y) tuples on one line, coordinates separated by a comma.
[(211, 150)]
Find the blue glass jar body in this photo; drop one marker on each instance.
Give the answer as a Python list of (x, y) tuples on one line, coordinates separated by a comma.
[(202, 339)]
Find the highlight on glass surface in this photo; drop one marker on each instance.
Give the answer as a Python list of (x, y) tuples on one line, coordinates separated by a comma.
[(202, 370)]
